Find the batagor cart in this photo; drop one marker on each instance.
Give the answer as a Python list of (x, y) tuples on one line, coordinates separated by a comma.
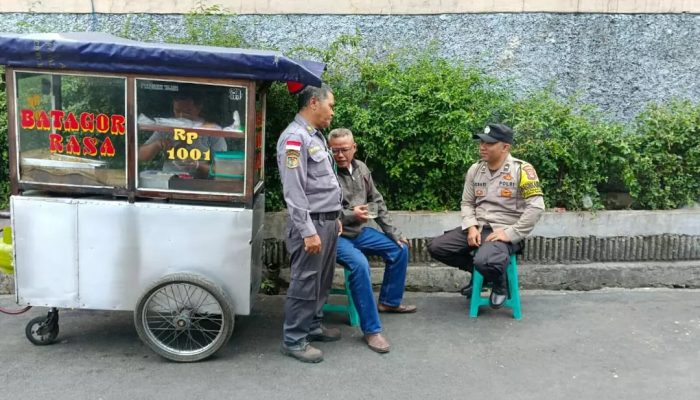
[(137, 181)]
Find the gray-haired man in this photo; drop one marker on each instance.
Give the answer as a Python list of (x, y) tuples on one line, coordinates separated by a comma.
[(313, 198)]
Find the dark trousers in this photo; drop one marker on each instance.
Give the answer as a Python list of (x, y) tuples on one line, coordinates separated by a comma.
[(311, 281), (491, 260)]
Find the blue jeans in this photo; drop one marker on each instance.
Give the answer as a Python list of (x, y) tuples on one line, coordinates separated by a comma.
[(351, 255)]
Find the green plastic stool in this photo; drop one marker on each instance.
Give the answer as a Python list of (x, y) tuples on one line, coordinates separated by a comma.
[(513, 300), (348, 308)]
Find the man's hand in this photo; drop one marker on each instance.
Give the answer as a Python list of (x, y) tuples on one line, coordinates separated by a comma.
[(166, 143), (361, 213), (312, 244), (340, 227), (473, 236), (498, 235), (403, 241)]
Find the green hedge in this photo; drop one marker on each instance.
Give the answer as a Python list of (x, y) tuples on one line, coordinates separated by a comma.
[(665, 171), (414, 116), (573, 150)]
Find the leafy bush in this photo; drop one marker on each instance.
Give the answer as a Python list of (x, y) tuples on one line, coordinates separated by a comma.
[(572, 150), (414, 124), (281, 108), (209, 25), (664, 173)]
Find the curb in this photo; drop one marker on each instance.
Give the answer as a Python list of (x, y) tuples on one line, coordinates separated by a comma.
[(591, 276)]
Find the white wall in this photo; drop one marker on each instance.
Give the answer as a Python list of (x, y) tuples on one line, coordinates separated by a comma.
[(354, 6)]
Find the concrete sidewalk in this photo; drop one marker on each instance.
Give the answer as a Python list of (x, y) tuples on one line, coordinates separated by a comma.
[(610, 344)]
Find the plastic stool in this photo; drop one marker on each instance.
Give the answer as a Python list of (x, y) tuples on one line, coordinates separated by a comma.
[(348, 308), (513, 300)]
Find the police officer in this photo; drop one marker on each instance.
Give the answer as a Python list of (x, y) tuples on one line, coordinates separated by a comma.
[(501, 203), (313, 198)]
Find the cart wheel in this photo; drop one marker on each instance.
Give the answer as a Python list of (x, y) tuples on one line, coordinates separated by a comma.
[(42, 331), (184, 317)]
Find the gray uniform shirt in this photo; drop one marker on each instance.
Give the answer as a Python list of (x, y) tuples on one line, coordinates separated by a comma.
[(358, 189), (309, 183), (510, 199)]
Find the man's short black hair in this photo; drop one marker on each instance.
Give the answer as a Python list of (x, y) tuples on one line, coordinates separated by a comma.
[(189, 94), (321, 93)]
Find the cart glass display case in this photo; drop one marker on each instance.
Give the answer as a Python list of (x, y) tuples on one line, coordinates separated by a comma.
[(71, 129), (191, 137), (139, 136)]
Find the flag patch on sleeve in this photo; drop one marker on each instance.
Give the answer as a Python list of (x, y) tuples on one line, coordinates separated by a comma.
[(292, 145)]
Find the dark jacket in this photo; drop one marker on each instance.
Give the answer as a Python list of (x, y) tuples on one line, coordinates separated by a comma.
[(359, 189)]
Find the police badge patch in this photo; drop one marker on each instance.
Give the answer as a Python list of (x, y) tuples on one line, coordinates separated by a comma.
[(529, 184), (531, 174), (292, 162), (292, 158)]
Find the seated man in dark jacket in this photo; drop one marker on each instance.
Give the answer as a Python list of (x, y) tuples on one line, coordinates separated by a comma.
[(361, 202)]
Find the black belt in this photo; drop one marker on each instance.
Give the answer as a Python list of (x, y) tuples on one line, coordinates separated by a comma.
[(325, 216)]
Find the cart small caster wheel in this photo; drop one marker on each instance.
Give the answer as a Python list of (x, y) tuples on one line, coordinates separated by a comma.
[(40, 332)]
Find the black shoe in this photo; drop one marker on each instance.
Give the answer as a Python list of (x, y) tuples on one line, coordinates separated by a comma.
[(497, 299), (324, 334), (499, 292), (467, 290)]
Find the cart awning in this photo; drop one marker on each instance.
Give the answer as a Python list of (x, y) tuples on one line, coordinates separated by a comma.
[(102, 52)]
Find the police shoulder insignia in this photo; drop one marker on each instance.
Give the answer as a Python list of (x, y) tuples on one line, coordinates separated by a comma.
[(530, 171), (529, 184), (314, 149)]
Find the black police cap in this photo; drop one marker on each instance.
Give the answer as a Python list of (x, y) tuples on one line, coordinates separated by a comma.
[(496, 133)]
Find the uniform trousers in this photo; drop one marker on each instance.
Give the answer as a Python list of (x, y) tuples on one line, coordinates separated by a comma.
[(310, 282), (491, 260)]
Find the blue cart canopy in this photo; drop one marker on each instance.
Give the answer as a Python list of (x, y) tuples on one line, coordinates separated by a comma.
[(101, 52)]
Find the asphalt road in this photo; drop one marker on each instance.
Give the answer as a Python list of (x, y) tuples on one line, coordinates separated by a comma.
[(612, 344)]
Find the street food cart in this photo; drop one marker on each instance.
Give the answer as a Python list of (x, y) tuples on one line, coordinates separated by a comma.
[(137, 177)]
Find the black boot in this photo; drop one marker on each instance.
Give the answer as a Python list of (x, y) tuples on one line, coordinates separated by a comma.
[(499, 291), (467, 290)]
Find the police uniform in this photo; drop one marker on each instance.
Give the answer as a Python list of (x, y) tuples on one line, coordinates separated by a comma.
[(313, 198), (510, 199)]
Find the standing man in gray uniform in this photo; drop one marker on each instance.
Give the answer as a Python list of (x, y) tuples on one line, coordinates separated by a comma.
[(501, 203), (313, 198)]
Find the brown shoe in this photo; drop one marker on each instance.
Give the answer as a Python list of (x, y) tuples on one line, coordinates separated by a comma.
[(401, 309), (302, 352), (324, 334), (377, 342)]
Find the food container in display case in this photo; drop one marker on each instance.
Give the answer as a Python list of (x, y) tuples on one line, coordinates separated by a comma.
[(228, 164)]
